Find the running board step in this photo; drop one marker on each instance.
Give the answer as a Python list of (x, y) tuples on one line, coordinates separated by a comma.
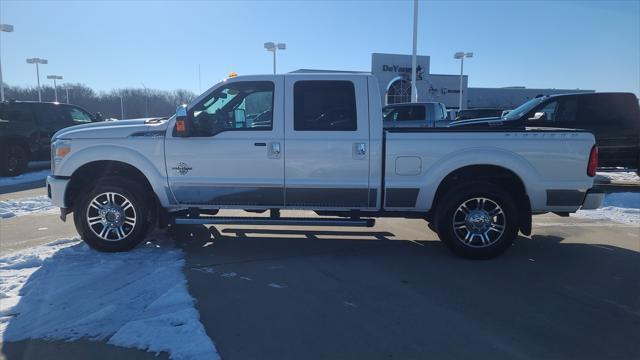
[(228, 220)]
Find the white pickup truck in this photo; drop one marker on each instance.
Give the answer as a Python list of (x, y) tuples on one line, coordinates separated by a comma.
[(315, 142)]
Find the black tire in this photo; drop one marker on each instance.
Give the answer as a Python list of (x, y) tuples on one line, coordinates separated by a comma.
[(476, 235), (13, 159), (128, 236)]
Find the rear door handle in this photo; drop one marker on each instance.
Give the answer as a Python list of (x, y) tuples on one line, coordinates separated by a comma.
[(260, 144), (359, 151), (274, 150)]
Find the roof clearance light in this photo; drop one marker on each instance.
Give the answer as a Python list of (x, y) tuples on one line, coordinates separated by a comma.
[(232, 74)]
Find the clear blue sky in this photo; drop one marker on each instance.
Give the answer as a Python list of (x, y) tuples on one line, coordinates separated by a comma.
[(113, 44)]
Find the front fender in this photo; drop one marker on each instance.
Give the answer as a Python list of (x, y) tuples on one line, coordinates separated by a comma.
[(149, 161)]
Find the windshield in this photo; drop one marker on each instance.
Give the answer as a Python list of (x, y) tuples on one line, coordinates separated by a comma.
[(523, 109)]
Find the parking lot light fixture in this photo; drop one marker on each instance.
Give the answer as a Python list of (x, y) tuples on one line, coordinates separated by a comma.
[(38, 61), (55, 86), (461, 55), (274, 47), (3, 28)]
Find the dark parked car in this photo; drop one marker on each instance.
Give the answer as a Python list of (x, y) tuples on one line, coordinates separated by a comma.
[(478, 113), (26, 128), (614, 119)]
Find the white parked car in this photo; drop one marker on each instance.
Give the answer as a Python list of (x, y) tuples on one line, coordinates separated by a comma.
[(314, 141)]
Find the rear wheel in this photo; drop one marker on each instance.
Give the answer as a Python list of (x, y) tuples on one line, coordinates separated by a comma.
[(113, 215), (477, 220), (13, 160)]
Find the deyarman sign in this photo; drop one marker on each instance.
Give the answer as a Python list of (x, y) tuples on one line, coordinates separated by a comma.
[(389, 68)]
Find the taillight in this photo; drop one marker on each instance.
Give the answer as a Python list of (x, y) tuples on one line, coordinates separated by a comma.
[(593, 162)]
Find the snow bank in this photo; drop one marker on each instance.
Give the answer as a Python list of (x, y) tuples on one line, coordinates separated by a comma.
[(66, 291), (26, 206), (621, 207), (618, 176), (25, 178)]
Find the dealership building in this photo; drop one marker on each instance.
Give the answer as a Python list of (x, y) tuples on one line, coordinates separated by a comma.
[(393, 72)]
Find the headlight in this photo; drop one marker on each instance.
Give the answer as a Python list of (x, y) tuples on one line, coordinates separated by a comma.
[(59, 149)]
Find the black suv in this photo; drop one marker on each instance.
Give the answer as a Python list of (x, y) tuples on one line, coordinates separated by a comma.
[(614, 119), (26, 128)]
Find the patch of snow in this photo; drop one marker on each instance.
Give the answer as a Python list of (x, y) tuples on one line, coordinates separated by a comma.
[(617, 176), (623, 207), (25, 178), (208, 269), (26, 206), (64, 290), (277, 286)]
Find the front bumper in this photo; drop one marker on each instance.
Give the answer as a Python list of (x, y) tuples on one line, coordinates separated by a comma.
[(592, 200), (56, 189)]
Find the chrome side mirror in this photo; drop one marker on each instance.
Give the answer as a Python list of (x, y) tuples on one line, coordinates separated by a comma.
[(540, 116)]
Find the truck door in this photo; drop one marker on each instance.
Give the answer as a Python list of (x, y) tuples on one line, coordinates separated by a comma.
[(327, 143), (232, 157)]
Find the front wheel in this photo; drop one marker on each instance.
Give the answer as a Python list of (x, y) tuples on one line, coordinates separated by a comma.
[(113, 214), (477, 220)]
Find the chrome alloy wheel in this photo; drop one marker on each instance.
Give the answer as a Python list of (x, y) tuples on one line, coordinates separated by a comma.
[(479, 222), (111, 216)]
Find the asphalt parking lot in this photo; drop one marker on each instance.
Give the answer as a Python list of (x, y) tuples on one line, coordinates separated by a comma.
[(572, 290)]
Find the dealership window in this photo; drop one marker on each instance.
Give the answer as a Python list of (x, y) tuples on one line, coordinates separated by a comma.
[(324, 106), (399, 92)]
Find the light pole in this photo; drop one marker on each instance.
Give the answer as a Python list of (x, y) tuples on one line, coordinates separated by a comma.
[(461, 55), (274, 47), (414, 87), (38, 61), (66, 89), (3, 28), (146, 91), (121, 108), (55, 85)]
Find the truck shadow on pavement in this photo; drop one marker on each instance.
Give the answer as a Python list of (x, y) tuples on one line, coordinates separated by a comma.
[(292, 294)]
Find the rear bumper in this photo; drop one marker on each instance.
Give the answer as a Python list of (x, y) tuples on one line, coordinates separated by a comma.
[(56, 189), (592, 200)]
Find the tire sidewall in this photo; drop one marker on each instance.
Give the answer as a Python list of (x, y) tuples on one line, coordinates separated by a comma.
[(463, 192), (129, 189), (23, 159)]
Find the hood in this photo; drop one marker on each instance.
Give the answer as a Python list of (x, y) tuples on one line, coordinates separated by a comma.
[(493, 121), (114, 129)]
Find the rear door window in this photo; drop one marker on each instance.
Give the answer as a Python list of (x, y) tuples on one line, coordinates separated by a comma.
[(324, 106), (411, 113), (609, 110), (567, 111), (17, 112)]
